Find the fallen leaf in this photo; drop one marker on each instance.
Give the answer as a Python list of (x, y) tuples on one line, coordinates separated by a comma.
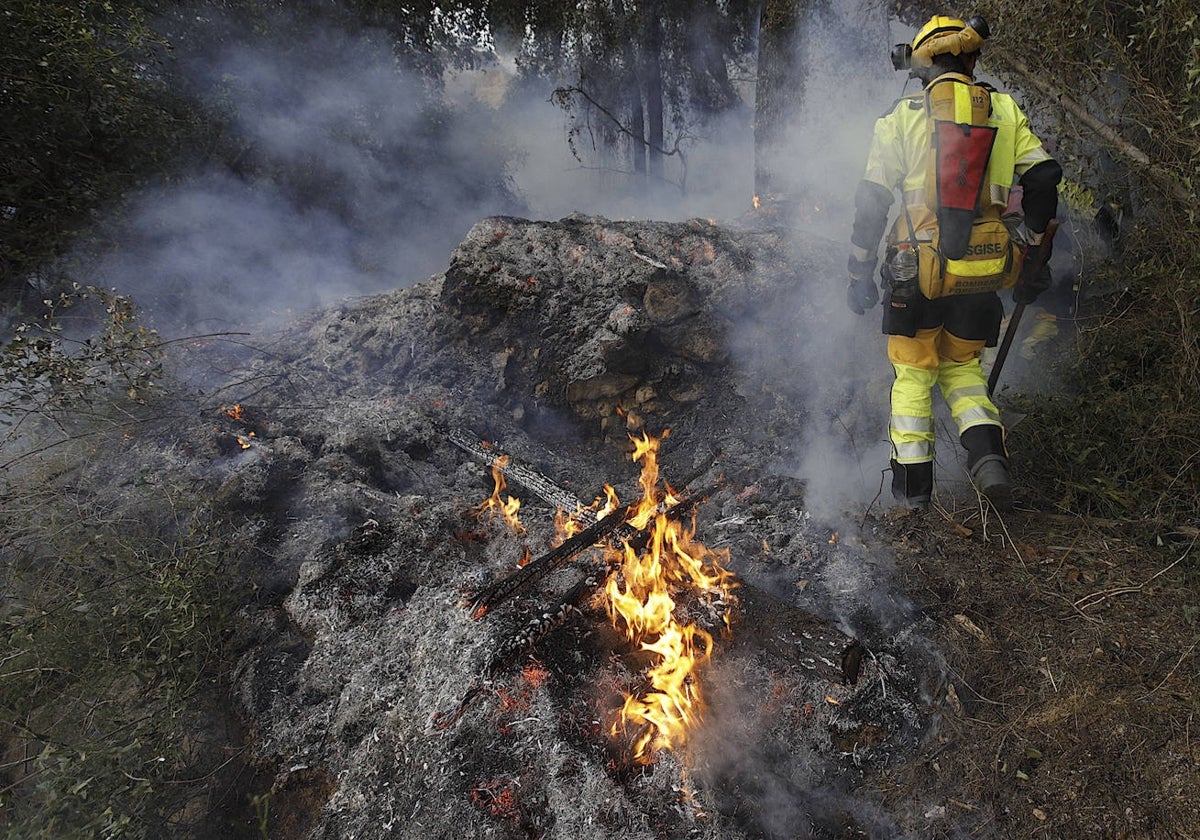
[(971, 627)]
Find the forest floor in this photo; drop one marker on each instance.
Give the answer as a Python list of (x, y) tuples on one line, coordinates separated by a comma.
[(1073, 651)]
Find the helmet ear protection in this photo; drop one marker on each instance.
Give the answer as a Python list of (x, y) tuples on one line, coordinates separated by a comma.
[(941, 35)]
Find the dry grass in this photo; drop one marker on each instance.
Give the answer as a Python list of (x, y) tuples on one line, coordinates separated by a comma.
[(1074, 654)]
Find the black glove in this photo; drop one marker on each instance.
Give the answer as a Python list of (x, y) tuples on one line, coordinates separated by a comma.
[(862, 293), (1033, 282), (1027, 289)]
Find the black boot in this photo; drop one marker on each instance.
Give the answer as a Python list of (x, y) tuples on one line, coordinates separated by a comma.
[(987, 463), (912, 484)]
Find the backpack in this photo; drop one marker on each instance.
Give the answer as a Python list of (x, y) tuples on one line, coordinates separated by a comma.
[(972, 250)]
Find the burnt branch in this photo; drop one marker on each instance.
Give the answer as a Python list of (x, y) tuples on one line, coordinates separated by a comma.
[(529, 478), (501, 590), (612, 527), (563, 96)]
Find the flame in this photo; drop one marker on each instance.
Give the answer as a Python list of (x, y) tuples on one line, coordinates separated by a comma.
[(757, 203), (567, 525), (233, 412), (641, 601), (493, 506)]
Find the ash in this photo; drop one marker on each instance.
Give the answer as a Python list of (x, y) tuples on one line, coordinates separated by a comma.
[(555, 340)]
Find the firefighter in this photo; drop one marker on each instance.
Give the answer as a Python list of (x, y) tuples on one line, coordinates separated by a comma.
[(952, 152)]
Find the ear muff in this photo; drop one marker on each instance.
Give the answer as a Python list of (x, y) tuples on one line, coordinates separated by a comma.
[(901, 57)]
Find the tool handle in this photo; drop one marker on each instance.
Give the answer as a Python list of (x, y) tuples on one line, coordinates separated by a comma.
[(1039, 259)]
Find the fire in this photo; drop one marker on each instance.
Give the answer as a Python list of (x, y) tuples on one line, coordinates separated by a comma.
[(643, 597), (493, 506), (641, 601), (233, 412), (757, 203), (567, 525)]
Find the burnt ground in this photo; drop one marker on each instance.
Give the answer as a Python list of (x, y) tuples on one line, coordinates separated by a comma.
[(950, 674)]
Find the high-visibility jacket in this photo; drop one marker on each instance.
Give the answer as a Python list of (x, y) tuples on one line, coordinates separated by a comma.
[(899, 156)]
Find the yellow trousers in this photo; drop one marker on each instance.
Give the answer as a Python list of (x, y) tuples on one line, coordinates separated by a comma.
[(935, 357)]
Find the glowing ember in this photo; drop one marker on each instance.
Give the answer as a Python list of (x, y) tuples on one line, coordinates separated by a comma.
[(494, 507), (641, 601)]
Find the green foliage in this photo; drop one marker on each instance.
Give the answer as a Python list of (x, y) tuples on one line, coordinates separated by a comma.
[(1126, 443), (113, 594), (85, 358), (110, 633), (85, 113)]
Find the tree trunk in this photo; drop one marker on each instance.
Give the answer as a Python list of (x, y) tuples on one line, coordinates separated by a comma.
[(637, 131), (652, 79), (778, 91)]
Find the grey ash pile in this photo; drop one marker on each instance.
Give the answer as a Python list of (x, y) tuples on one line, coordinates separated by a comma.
[(377, 703)]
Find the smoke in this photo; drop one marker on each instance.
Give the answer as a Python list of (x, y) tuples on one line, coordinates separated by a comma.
[(833, 367), (342, 174), (354, 177), (338, 174)]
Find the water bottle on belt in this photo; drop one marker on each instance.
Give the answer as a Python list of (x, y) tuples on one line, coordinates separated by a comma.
[(900, 317)]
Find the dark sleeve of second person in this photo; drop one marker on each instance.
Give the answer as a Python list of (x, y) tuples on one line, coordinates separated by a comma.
[(1039, 201)]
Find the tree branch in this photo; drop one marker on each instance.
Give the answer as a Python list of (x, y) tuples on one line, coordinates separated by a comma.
[(1168, 180), (563, 95)]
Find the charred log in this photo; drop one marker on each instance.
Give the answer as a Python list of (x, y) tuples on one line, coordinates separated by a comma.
[(504, 588), (612, 528), (526, 476)]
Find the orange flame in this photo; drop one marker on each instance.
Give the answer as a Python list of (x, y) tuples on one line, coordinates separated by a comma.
[(641, 599), (233, 412), (567, 525), (493, 506)]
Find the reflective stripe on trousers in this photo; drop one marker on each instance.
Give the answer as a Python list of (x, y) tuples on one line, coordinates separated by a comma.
[(935, 357), (910, 426)]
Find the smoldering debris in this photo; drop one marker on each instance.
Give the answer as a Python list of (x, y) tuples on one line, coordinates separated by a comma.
[(554, 342)]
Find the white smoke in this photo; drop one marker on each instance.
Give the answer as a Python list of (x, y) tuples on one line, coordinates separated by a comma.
[(841, 373), (355, 180)]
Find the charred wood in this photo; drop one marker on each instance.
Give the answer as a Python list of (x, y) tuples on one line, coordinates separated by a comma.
[(531, 479), (504, 588), (614, 528), (525, 639)]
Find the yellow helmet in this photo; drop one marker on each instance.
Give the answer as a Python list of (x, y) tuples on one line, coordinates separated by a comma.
[(942, 34), (937, 25)]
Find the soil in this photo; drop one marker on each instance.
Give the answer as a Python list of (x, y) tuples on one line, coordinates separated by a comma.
[(1072, 651)]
